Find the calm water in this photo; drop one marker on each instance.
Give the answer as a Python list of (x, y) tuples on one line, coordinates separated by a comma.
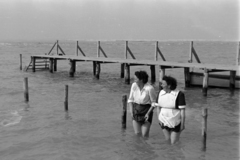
[(91, 130)]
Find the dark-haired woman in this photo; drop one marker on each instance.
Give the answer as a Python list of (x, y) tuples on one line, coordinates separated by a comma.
[(141, 98), (171, 109)]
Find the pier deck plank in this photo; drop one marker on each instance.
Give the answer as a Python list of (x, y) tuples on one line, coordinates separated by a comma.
[(144, 62)]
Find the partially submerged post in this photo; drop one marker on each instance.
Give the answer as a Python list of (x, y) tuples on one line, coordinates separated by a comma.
[(66, 98), (204, 128), (25, 88), (124, 113)]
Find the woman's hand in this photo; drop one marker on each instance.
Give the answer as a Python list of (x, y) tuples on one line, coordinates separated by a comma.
[(146, 117)]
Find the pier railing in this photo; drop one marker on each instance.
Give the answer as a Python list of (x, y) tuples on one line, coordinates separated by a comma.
[(126, 62)]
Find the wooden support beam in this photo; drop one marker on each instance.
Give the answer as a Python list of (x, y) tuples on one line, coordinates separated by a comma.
[(52, 48), (187, 77), (55, 64), (205, 82), (161, 75), (153, 74), (20, 61), (72, 68), (232, 80), (127, 50), (58, 46), (122, 70), (238, 55), (98, 70), (127, 73), (98, 50), (51, 65), (77, 49), (94, 68), (33, 64)]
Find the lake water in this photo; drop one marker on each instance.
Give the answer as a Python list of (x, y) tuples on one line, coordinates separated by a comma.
[(91, 130)]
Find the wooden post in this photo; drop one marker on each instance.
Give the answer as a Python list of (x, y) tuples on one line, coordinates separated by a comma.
[(98, 70), (55, 64), (205, 82), (156, 51), (57, 47), (161, 75), (33, 64), (187, 77), (94, 68), (77, 49), (124, 113), (66, 98), (190, 54), (98, 50), (126, 46), (72, 68), (238, 55), (122, 70), (51, 65), (25, 88), (20, 61), (153, 75), (232, 80), (127, 73), (204, 128)]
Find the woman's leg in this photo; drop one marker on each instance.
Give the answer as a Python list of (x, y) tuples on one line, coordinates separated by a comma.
[(145, 129), (136, 127), (166, 134), (175, 137)]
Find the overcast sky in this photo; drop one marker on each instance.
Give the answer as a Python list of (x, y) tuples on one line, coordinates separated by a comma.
[(119, 20)]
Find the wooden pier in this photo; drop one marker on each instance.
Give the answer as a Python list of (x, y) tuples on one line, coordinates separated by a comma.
[(50, 62)]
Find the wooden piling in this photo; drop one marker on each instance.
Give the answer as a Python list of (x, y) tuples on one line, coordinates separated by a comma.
[(98, 70), (94, 68), (33, 64), (204, 128), (51, 65), (153, 75), (161, 75), (232, 80), (77, 49), (98, 49), (55, 65), (127, 73), (72, 68), (122, 70), (66, 98), (187, 76), (20, 61), (25, 88), (124, 113), (205, 82)]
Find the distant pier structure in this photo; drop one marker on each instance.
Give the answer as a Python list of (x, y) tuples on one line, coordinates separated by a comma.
[(49, 61)]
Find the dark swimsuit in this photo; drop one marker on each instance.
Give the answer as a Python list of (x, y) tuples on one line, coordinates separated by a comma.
[(139, 112)]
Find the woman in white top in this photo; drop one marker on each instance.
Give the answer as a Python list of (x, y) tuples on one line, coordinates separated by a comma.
[(141, 98), (171, 109)]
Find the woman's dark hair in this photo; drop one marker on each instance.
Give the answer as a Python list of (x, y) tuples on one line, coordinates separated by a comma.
[(142, 75), (170, 81)]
